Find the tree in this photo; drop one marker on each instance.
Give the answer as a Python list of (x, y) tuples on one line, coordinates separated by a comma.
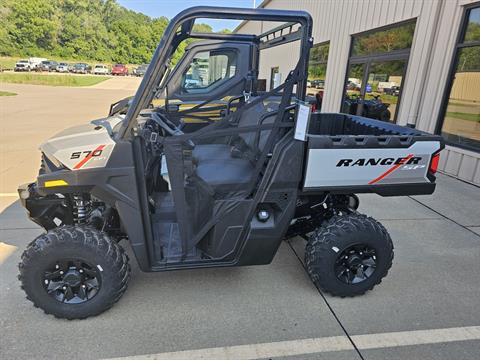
[(99, 30)]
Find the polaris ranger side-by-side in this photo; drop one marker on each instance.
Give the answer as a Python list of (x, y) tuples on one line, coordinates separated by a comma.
[(203, 168)]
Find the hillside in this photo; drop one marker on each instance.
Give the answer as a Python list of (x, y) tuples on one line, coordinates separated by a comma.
[(99, 30)]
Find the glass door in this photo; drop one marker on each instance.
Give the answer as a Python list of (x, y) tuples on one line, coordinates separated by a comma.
[(373, 88), (377, 65), (383, 88), (354, 91)]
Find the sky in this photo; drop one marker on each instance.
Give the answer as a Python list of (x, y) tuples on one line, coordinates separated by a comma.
[(169, 8)]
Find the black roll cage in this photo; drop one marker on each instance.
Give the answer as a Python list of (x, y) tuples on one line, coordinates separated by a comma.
[(180, 28)]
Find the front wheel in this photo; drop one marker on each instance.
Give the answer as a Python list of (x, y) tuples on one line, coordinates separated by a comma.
[(349, 255), (385, 115), (74, 272)]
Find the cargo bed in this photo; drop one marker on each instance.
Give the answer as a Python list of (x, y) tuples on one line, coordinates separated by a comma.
[(353, 154)]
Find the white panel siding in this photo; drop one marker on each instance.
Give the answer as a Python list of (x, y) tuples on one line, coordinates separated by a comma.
[(460, 163), (467, 168), (437, 26), (476, 178)]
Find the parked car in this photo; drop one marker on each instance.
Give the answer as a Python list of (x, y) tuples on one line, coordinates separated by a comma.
[(47, 65), (23, 65), (35, 62), (353, 86), (394, 90), (81, 68), (141, 70), (101, 69), (119, 69), (62, 68), (318, 84)]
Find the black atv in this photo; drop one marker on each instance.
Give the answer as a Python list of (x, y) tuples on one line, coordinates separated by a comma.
[(372, 108), (216, 174)]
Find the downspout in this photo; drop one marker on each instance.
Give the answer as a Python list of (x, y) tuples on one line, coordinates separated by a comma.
[(412, 120)]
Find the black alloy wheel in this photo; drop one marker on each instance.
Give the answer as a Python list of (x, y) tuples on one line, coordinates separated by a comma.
[(74, 272), (355, 264), (72, 281), (349, 254)]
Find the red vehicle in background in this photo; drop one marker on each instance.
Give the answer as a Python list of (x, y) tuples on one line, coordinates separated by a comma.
[(119, 69)]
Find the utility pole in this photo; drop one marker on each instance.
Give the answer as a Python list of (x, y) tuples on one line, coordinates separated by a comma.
[(254, 4)]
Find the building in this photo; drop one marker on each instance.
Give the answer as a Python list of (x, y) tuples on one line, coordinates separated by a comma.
[(421, 57)]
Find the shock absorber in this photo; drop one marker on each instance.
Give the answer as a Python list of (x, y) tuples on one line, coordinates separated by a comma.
[(81, 209)]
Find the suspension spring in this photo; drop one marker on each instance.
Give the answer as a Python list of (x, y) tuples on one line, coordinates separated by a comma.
[(81, 209)]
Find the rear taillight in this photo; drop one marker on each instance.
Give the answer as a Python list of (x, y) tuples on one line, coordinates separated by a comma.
[(434, 163)]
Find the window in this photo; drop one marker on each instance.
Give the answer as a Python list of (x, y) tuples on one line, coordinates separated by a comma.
[(375, 72), (399, 37), (207, 69), (317, 71), (460, 119)]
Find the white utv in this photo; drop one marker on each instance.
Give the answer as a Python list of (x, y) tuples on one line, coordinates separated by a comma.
[(217, 174)]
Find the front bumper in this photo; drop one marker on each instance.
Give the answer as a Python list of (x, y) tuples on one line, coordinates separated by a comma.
[(47, 211)]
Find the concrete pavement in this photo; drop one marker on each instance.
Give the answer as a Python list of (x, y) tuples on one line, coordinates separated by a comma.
[(38, 112), (433, 283)]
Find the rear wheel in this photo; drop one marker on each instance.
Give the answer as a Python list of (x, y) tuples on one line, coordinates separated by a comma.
[(74, 272), (349, 255)]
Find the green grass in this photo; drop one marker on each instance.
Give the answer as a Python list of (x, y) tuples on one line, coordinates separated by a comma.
[(7, 93), (464, 103), (7, 62), (52, 80), (464, 116), (390, 99)]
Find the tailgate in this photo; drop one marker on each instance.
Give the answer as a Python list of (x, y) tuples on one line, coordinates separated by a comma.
[(386, 165)]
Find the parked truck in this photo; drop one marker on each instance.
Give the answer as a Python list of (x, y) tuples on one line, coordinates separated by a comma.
[(23, 65)]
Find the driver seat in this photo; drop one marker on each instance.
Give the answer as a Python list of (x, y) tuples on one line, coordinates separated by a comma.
[(228, 168)]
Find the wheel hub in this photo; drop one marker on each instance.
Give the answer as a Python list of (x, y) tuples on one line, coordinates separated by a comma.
[(72, 278), (354, 261), (356, 264), (72, 281)]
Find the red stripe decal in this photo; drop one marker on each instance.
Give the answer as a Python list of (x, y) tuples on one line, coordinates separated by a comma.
[(389, 171), (88, 157)]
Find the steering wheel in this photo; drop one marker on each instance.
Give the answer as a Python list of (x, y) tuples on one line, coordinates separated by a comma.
[(169, 127)]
